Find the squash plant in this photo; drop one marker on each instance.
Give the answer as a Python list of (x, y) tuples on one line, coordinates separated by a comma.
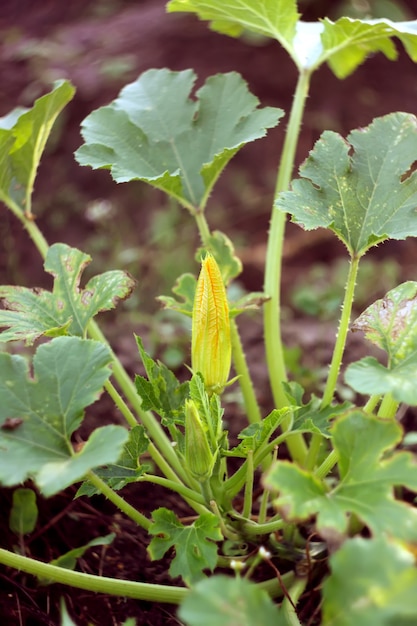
[(339, 497)]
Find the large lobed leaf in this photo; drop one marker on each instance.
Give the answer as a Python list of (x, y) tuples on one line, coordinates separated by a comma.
[(39, 414), (343, 44), (391, 324), (367, 480), (155, 132), (372, 581), (23, 135), (67, 309), (361, 188)]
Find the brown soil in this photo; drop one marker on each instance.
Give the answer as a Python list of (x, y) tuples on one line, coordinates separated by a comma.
[(101, 46)]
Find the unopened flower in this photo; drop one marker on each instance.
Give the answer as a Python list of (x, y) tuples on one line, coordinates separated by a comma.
[(211, 350), (198, 455)]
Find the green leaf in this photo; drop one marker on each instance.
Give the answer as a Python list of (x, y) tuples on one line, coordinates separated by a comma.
[(226, 601), (313, 418), (155, 132), (391, 324), (65, 617), (255, 435), (127, 468), (161, 392), (194, 545), (69, 559), (367, 480), (23, 135), (372, 581), (67, 309), (68, 375), (368, 376), (221, 247), (343, 44), (271, 18), (362, 189), (208, 407), (347, 42), (24, 511), (184, 288)]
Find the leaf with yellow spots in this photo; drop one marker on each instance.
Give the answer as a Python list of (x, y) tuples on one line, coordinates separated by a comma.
[(67, 309), (69, 374), (391, 324), (364, 188)]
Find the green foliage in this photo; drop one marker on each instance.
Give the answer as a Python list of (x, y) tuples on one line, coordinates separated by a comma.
[(67, 309), (24, 511), (155, 132), (161, 392), (362, 188), (389, 323), (343, 44), (23, 135), (225, 601), (194, 545), (128, 467), (69, 375), (70, 558), (343, 472), (372, 581), (366, 483)]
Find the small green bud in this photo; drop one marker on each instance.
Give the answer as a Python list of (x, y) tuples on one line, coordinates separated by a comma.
[(198, 455), (211, 349)]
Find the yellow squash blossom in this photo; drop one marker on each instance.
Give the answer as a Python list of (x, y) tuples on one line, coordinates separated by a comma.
[(211, 350)]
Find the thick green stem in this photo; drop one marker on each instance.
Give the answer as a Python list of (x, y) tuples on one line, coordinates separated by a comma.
[(372, 403), (388, 407), (272, 308), (118, 501), (99, 584)]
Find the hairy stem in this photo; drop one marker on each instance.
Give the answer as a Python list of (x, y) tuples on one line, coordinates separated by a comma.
[(272, 308)]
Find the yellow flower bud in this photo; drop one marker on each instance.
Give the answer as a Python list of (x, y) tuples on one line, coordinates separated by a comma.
[(211, 350), (198, 455)]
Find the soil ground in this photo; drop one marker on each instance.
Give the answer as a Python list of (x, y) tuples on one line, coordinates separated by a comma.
[(101, 46)]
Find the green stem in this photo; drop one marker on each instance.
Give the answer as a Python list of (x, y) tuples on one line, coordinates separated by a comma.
[(251, 530), (337, 357), (118, 501), (247, 500), (187, 494), (327, 465), (372, 404), (388, 407), (253, 411), (341, 334), (99, 584), (121, 404), (290, 614), (272, 308)]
